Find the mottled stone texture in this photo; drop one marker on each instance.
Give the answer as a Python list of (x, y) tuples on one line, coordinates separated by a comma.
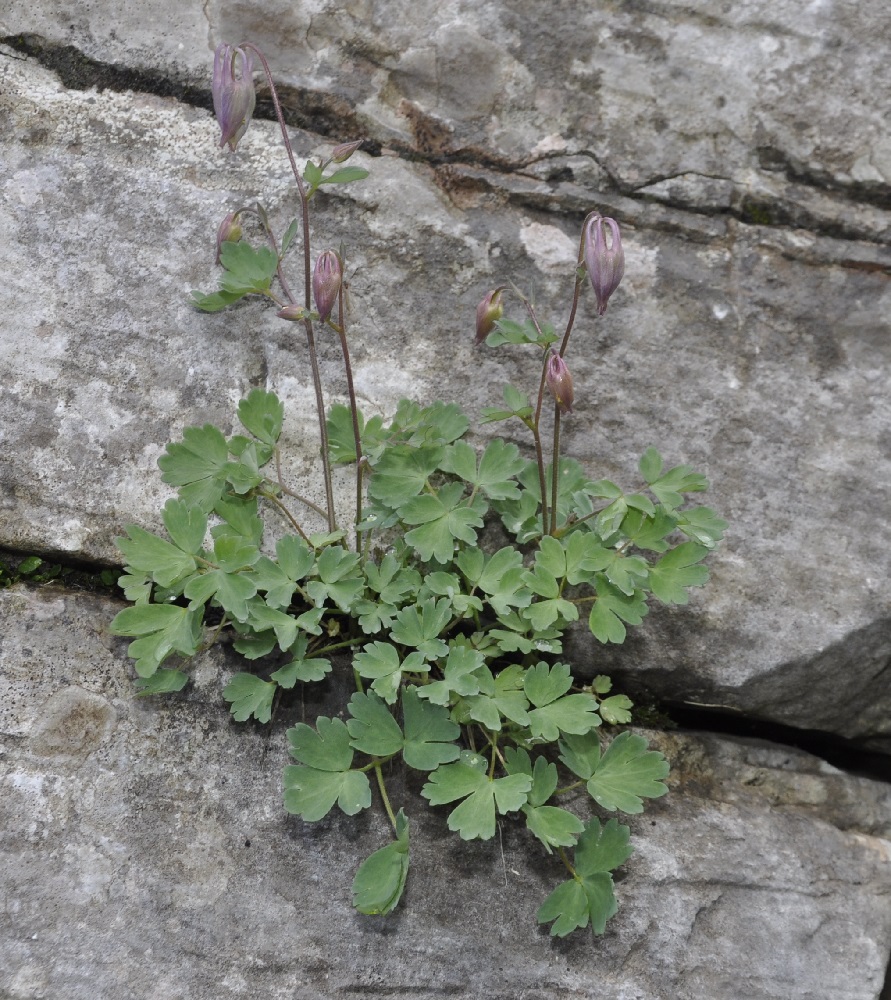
[(744, 150), (146, 854)]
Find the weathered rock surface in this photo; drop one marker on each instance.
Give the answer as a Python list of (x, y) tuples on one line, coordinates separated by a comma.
[(756, 353), (146, 853)]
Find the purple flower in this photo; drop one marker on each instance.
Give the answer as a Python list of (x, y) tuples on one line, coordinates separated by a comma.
[(342, 152), (326, 281), (559, 382), (488, 312), (233, 95), (606, 264), (229, 232)]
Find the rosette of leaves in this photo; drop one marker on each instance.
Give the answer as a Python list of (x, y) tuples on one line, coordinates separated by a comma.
[(455, 649)]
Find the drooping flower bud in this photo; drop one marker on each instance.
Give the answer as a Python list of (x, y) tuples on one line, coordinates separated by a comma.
[(488, 312), (292, 312), (326, 281), (233, 95), (559, 383), (341, 153), (229, 232), (605, 264)]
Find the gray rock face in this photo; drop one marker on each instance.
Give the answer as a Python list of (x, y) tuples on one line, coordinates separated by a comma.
[(755, 353), (146, 853), (744, 150)]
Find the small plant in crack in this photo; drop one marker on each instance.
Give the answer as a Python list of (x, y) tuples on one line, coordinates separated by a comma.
[(454, 651)]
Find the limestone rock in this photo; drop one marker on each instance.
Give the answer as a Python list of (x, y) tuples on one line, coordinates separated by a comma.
[(749, 337), (160, 864)]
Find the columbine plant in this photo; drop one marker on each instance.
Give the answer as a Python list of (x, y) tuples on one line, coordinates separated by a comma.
[(455, 651)]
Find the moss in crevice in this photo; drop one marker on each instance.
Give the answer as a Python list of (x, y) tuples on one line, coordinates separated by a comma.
[(35, 571)]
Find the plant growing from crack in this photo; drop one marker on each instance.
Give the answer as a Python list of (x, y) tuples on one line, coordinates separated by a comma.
[(455, 651)]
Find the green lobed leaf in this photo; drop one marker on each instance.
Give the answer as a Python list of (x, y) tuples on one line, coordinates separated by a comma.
[(420, 626), (628, 773), (311, 794), (612, 608), (316, 668), (262, 413), (602, 847), (148, 553), (186, 526), (402, 473), (573, 713), (381, 663), (247, 269), (429, 733), (373, 730), (214, 301), (163, 681), (670, 486), (650, 465), (474, 818), (248, 696), (677, 570), (701, 524), (458, 676), (231, 590), (615, 710), (575, 904), (442, 519), (197, 466), (554, 827), (340, 580), (326, 748), (163, 629)]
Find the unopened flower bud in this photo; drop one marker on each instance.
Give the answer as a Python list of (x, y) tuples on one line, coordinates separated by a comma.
[(292, 312), (229, 232), (605, 264), (559, 383), (326, 281), (488, 312), (233, 95), (341, 153)]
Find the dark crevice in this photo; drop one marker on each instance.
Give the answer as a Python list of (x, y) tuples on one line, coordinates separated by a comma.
[(333, 116), (79, 72), (37, 570), (845, 754)]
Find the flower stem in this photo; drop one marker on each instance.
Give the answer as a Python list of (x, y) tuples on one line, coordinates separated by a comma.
[(382, 788), (578, 285), (307, 287), (273, 499), (354, 410), (555, 469)]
